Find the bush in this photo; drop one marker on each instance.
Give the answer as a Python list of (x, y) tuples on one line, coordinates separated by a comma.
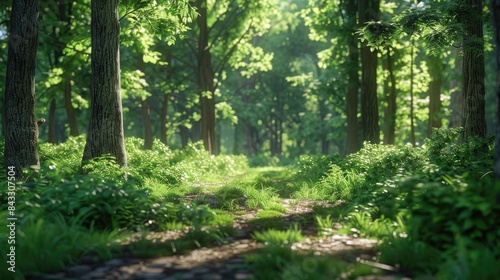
[(447, 156), (457, 207)]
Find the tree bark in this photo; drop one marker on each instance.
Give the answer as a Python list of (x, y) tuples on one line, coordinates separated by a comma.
[(369, 10), (436, 67), (21, 129), (495, 8), (353, 79), (473, 105), (390, 111), (206, 81), (52, 121), (105, 133)]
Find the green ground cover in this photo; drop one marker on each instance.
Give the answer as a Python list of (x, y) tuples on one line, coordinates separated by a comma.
[(434, 208)]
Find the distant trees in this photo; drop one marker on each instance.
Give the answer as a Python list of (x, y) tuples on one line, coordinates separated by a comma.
[(20, 122), (105, 132)]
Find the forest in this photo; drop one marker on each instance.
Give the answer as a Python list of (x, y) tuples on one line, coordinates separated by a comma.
[(250, 139)]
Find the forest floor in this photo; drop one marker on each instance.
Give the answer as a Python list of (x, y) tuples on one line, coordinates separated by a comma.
[(229, 258)]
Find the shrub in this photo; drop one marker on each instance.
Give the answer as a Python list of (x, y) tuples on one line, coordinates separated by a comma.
[(447, 156)]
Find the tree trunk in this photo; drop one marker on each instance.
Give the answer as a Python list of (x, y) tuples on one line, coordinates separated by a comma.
[(105, 133), (70, 110), (353, 79), (21, 129), (369, 10), (206, 81), (52, 121), (436, 67), (495, 8), (390, 111), (473, 106)]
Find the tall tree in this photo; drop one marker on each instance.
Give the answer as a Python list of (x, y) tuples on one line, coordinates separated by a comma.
[(206, 80), (369, 10), (473, 105), (105, 131), (495, 9), (21, 129)]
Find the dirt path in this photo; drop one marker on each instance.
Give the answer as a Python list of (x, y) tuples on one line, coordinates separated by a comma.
[(226, 260)]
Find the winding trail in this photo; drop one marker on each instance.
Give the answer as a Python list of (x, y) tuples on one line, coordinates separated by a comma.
[(226, 261)]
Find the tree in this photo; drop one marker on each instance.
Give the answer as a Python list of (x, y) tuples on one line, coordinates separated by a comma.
[(21, 129), (473, 119), (206, 80), (495, 8), (105, 131), (369, 11)]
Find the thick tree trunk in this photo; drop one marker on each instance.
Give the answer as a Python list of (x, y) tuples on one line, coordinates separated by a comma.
[(52, 121), (105, 133), (390, 110), (369, 10), (436, 67), (70, 110), (21, 129), (206, 81), (473, 106), (495, 8), (353, 79)]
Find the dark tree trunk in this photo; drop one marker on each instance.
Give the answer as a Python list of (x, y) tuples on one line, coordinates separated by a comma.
[(353, 79), (105, 133), (206, 81), (390, 110), (21, 129), (70, 110), (436, 67), (52, 121), (369, 10), (473, 106), (495, 8)]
